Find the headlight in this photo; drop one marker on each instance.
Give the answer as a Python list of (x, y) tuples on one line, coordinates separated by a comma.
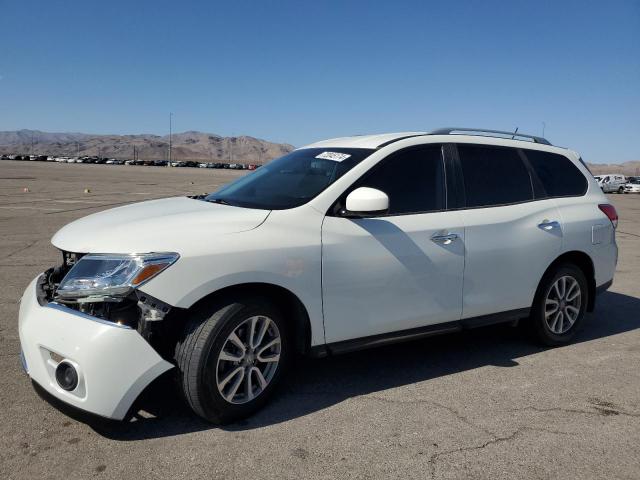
[(99, 276)]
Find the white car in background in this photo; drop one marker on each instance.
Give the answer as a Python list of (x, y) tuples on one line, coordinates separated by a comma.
[(612, 183), (633, 186), (344, 244)]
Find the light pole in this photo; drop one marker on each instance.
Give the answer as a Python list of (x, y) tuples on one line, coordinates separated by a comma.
[(170, 135), (544, 125)]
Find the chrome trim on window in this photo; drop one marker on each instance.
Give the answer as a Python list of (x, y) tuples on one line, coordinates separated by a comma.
[(71, 311)]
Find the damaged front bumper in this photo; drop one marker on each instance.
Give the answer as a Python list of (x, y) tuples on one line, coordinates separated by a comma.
[(114, 363)]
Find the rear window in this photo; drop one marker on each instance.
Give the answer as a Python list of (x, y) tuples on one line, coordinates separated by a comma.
[(558, 175), (494, 176)]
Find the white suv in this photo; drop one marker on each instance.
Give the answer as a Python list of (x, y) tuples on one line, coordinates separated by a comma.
[(344, 244), (612, 183)]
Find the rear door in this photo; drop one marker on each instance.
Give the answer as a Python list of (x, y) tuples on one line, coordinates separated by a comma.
[(511, 236), (395, 272)]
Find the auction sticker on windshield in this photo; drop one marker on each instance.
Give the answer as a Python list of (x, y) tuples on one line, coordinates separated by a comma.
[(335, 156)]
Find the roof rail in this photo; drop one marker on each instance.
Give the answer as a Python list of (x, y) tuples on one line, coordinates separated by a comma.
[(482, 131)]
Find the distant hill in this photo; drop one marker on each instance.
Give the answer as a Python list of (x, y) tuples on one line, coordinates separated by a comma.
[(185, 146), (626, 168)]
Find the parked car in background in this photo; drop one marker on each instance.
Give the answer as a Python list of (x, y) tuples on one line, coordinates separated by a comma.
[(344, 244), (633, 185), (612, 183)]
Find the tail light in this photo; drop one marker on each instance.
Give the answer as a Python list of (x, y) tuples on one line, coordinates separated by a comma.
[(610, 211)]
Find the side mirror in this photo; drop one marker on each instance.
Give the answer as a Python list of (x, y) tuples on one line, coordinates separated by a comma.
[(366, 201)]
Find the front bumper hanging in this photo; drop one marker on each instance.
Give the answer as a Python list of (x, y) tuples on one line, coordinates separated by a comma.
[(114, 363)]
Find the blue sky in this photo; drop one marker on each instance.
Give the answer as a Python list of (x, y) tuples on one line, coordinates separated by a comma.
[(295, 71)]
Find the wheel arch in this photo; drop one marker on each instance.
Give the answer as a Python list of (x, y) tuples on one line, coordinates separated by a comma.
[(294, 311), (584, 262)]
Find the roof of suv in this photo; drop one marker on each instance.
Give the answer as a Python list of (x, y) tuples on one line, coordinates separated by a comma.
[(383, 139), (364, 141)]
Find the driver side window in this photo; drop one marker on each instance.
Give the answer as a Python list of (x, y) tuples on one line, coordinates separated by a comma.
[(413, 179)]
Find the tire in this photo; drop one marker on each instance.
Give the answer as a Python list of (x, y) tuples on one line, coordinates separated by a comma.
[(621, 190), (547, 326), (203, 367)]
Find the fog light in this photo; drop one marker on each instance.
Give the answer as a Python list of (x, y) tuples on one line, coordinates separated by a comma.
[(66, 376)]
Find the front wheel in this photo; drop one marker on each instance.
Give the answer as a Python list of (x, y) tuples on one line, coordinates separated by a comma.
[(231, 357), (560, 305), (621, 190)]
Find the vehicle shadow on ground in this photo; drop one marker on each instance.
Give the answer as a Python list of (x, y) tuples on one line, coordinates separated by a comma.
[(316, 384)]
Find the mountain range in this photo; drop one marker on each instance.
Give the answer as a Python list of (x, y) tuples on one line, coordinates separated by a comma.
[(190, 145)]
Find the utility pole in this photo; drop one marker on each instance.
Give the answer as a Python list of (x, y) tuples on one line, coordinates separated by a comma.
[(78, 149), (170, 137)]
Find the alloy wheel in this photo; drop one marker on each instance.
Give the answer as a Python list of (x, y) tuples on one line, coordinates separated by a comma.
[(562, 305), (248, 360)]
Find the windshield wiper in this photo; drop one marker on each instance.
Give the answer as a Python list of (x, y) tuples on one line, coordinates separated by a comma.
[(218, 200)]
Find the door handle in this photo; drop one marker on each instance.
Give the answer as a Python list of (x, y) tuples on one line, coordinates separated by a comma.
[(548, 225), (445, 239)]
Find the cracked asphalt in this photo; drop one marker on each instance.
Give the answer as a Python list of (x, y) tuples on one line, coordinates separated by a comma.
[(484, 403)]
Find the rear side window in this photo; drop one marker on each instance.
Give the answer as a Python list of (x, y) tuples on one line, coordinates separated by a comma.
[(494, 176), (558, 175), (413, 180)]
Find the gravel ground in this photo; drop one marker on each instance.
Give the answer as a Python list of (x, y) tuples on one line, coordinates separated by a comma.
[(480, 404)]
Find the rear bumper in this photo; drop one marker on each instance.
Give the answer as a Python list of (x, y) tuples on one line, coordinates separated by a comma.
[(114, 363)]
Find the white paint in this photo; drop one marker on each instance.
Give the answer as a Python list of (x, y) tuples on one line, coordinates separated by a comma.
[(365, 199)]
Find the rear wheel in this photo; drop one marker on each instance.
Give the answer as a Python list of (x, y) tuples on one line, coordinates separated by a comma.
[(560, 305), (231, 357)]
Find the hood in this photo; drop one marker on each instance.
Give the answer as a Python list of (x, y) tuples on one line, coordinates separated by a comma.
[(166, 225)]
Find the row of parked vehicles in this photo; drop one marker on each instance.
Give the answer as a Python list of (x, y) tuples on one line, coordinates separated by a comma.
[(114, 161), (616, 183)]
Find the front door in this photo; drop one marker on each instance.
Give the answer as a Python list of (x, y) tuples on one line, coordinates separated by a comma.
[(398, 271)]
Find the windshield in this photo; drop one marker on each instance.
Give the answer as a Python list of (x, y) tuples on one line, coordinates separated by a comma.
[(292, 180)]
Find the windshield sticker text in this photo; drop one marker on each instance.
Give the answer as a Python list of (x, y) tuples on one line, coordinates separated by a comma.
[(335, 156)]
